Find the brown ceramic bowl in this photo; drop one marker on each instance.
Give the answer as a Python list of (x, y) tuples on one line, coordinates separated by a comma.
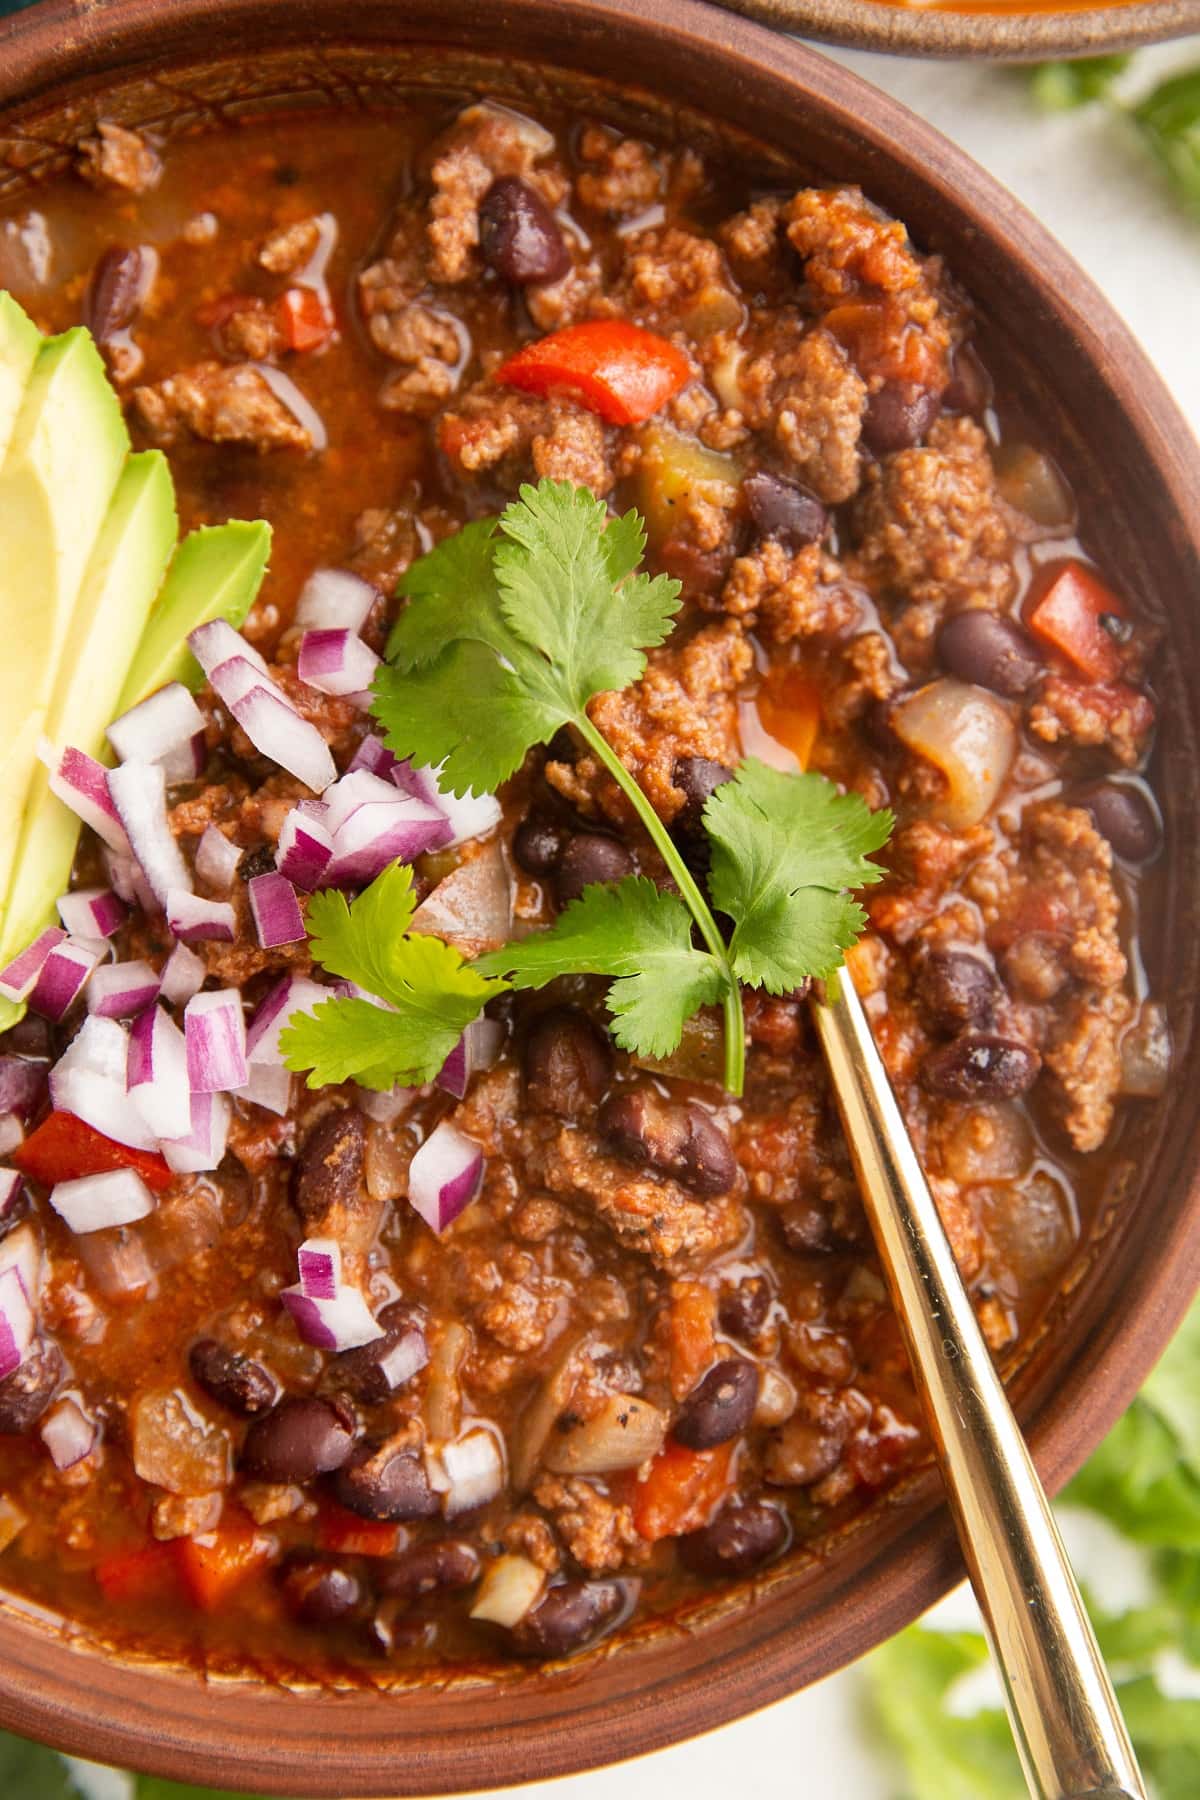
[(1004, 30), (1113, 426)]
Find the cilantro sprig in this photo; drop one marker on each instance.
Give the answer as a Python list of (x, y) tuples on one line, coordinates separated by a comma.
[(511, 628)]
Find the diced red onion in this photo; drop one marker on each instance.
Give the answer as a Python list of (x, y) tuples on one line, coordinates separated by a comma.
[(62, 979), (335, 661), (92, 912), (388, 1106), (157, 1073), (81, 783), (276, 910), (278, 732), (378, 834), (468, 815), (334, 598), (89, 1081), (445, 1175), (195, 921), (291, 994), (16, 1322), (473, 1467), (19, 977), (129, 882), (139, 793), (269, 1086), (20, 1251), (408, 1355), (217, 642), (357, 787), (98, 1202), (68, 1433), (183, 975), (476, 1049), (204, 1145), (374, 756), (231, 681), (215, 1030), (119, 990), (342, 1323), (304, 849), (511, 1586), (11, 1182), (22, 1081), (165, 722), (217, 859), (187, 761), (319, 1262), (12, 1134)]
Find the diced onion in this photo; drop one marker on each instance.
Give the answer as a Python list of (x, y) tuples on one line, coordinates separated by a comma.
[(468, 815), (405, 1359), (139, 793), (12, 1522), (319, 1262), (81, 783), (217, 859), (16, 1321), (278, 732), (335, 661), (444, 1176), (386, 1107), (119, 990), (473, 1467), (62, 979), (376, 835), (304, 849), (217, 642), (476, 1049), (128, 880), (20, 1252), (967, 734), (269, 1086), (231, 681), (374, 756), (342, 1323), (1146, 1053), (98, 1202), (334, 599), (276, 910), (204, 1145), (92, 912), (22, 1080), (195, 921), (19, 977), (166, 721), (625, 1432), (292, 994), (357, 787), (89, 1081), (68, 1433), (215, 1033), (511, 1586), (12, 1134), (157, 1073)]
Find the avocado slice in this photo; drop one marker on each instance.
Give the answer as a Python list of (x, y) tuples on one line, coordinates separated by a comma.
[(215, 574), (115, 597), (20, 341)]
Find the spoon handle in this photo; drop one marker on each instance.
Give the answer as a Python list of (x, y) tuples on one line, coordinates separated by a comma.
[(1068, 1727)]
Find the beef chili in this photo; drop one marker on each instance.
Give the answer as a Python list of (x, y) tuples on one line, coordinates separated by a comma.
[(654, 1351)]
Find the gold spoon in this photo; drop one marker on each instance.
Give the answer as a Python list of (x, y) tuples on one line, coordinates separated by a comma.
[(1064, 1714)]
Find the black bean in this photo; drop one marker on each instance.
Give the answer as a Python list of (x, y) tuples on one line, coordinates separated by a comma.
[(28, 1391), (808, 1228), (538, 845), (234, 1381), (955, 991), (720, 1406), (452, 1563), (259, 861), (380, 1483), (1125, 814), (329, 1170), (977, 1067), (519, 236), (320, 1593), (303, 1437), (697, 777), (590, 857), (899, 415), (970, 389), (739, 1539), (115, 291), (783, 509), (676, 1139), (742, 1310), (568, 1617), (370, 1371), (990, 651), (568, 1062)]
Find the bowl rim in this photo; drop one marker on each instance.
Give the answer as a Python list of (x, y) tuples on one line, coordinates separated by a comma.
[(174, 1725), (1016, 36)]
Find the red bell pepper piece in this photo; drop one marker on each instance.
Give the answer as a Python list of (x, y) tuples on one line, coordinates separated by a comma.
[(64, 1147), (681, 1490), (344, 1531), (611, 367), (305, 321), (217, 1563), (1068, 615), (150, 1572)]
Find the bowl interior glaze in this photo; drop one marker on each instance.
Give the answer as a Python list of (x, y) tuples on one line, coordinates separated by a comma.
[(1050, 337)]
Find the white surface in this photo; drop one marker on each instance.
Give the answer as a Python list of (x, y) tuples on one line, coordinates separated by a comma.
[(1085, 177)]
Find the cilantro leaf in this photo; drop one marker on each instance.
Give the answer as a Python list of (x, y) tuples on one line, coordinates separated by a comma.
[(467, 711), (1062, 86), (637, 934), (1168, 120), (451, 594), (785, 849), (431, 995)]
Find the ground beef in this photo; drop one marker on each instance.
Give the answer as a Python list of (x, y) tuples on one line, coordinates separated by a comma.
[(847, 244), (553, 304), (385, 542), (221, 405), (529, 1535), (754, 244), (521, 437), (934, 532), (599, 1532), (1083, 1058), (927, 859), (684, 705), (863, 671), (287, 250), (250, 333), (790, 594), (801, 386), (427, 343), (675, 281), (484, 142), (117, 158), (621, 177), (1116, 717)]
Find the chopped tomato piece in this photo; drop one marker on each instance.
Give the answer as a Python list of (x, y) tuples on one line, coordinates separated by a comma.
[(682, 1490), (880, 340), (693, 1315), (1069, 615), (151, 1572), (64, 1147), (216, 312), (342, 1530), (304, 319), (217, 1563), (789, 710), (613, 368)]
